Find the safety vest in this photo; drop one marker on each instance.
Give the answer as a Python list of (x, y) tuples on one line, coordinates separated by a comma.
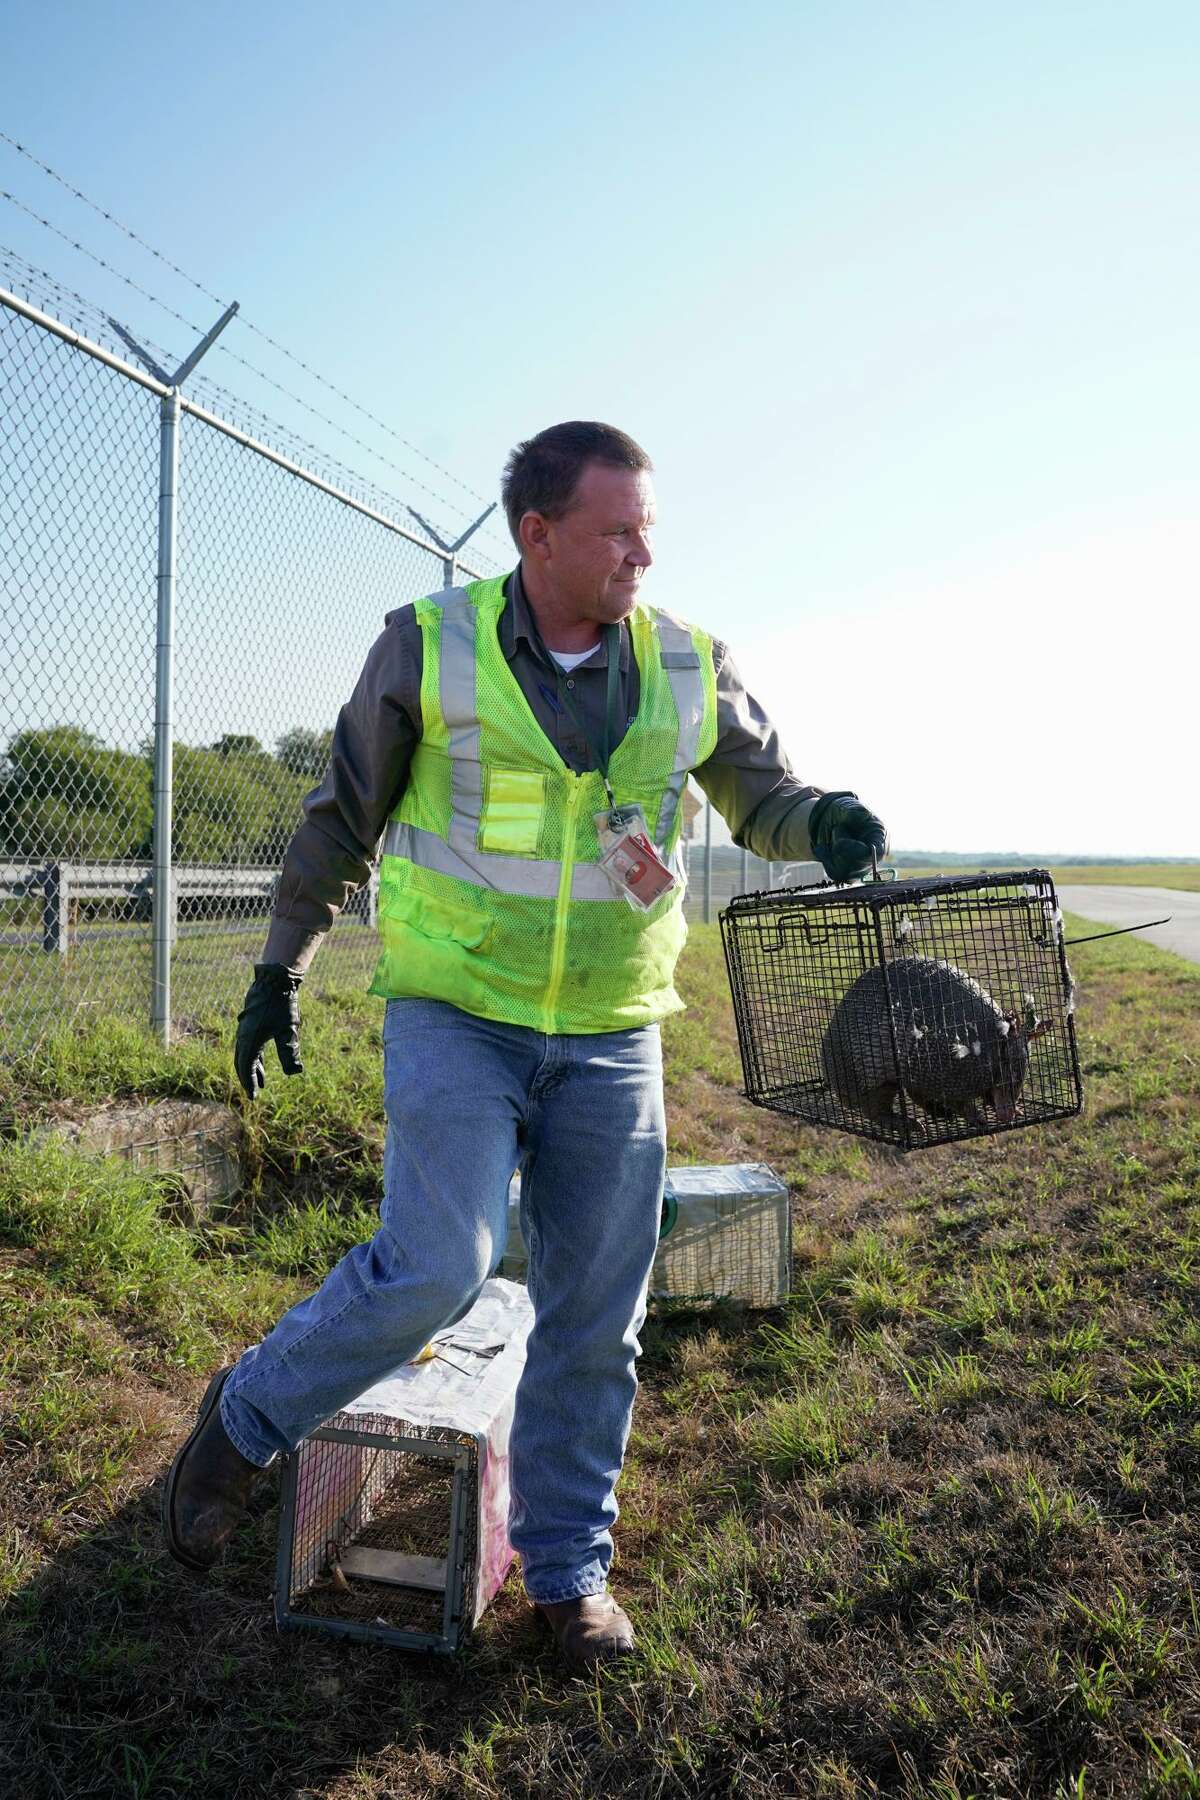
[(491, 896)]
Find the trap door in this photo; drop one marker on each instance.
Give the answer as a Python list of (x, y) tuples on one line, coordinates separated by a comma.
[(726, 1235), (373, 1537), (1004, 932), (790, 956)]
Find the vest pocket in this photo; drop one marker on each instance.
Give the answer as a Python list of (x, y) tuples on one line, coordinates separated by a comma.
[(514, 801), (437, 919)]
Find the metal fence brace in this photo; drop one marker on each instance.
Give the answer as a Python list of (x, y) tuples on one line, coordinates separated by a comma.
[(914, 1013), (157, 735)]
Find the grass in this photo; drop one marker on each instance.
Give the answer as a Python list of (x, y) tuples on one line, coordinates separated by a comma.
[(108, 976), (1183, 876), (928, 1530)]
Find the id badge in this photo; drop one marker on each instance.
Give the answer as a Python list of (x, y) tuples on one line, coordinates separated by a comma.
[(630, 859)]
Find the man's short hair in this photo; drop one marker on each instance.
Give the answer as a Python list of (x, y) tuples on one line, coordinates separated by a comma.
[(542, 474)]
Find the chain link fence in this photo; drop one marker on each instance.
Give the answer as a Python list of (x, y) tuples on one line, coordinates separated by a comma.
[(78, 520), (282, 583)]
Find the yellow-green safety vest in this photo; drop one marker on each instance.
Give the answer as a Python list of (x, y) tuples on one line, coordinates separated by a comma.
[(491, 895)]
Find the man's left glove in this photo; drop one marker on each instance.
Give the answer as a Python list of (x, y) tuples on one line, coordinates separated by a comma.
[(843, 833), (271, 1011)]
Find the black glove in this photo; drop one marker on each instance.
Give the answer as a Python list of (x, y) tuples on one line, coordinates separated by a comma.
[(843, 833), (271, 1011)]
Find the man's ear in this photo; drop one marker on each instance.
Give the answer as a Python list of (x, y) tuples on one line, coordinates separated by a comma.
[(534, 533)]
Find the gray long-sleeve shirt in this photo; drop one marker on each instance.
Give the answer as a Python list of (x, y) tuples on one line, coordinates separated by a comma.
[(747, 777)]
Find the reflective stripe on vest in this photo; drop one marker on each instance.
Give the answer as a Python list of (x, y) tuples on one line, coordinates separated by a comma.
[(461, 856), (679, 662), (507, 874)]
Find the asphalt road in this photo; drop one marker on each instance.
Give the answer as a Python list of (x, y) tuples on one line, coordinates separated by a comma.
[(1130, 905)]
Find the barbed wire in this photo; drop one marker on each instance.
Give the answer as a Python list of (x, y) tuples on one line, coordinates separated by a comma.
[(112, 220), (261, 374), (45, 290), (261, 425), (200, 288), (94, 257), (42, 289)]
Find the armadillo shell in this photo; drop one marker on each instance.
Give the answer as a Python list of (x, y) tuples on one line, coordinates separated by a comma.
[(934, 1006)]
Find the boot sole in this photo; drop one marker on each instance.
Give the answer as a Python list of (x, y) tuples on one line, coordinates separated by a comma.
[(212, 1397)]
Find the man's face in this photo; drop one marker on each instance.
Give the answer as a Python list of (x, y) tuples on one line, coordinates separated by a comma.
[(596, 554)]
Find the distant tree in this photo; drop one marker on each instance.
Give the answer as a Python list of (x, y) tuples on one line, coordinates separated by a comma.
[(63, 795), (304, 752), (234, 745), (233, 806), (67, 796)]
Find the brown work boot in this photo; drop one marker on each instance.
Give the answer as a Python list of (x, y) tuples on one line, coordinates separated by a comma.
[(589, 1630), (208, 1488)]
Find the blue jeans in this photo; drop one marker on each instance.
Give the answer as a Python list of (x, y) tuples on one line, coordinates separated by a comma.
[(468, 1101)]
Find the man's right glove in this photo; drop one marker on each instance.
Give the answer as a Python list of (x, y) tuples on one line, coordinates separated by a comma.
[(843, 833), (271, 1011)]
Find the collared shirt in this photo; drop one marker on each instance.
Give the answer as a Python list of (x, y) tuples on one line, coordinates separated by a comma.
[(522, 645), (747, 777)]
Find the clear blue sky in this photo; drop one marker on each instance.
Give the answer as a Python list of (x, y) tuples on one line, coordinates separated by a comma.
[(902, 300)]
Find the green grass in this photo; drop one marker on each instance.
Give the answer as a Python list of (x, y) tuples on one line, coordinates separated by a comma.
[(928, 1530), (1183, 876), (108, 978)]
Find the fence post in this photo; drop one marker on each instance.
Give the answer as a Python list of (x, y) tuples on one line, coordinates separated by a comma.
[(56, 908), (708, 862), (164, 677), (162, 908), (745, 877), (770, 873)]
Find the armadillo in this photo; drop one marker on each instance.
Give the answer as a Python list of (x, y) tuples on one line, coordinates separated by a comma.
[(955, 1050)]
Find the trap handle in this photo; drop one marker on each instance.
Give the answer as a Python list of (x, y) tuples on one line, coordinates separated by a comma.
[(1120, 931), (812, 887)]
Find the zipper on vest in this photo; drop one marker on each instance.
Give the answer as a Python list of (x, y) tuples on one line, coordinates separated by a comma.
[(558, 954)]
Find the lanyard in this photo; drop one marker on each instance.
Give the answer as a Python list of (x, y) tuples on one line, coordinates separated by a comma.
[(602, 750)]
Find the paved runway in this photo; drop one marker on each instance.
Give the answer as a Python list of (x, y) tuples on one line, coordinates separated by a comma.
[(1129, 905)]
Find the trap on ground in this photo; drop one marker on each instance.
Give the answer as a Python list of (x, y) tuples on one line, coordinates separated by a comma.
[(394, 1516), (912, 1012), (726, 1234)]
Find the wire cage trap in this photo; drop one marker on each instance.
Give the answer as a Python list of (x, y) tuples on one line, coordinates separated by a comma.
[(725, 1234), (393, 1521), (377, 1525), (910, 1012)]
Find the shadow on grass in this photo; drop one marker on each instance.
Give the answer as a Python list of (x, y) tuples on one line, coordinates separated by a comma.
[(123, 1674)]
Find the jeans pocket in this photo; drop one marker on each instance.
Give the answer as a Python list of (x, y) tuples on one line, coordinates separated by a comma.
[(411, 1014)]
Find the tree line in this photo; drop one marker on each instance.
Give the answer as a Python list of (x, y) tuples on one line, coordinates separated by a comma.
[(65, 796)]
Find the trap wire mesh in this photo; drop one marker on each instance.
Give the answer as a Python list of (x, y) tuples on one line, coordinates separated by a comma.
[(914, 1013), (725, 1234), (394, 1519), (377, 1532)]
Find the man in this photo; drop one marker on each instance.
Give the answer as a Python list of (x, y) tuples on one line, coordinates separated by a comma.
[(503, 739)]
